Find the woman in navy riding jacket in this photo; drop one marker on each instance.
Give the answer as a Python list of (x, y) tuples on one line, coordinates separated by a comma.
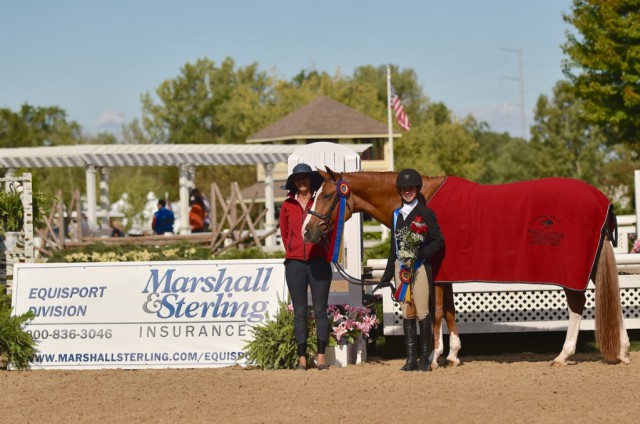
[(305, 263)]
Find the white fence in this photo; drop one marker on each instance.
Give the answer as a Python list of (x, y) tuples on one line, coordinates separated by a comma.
[(497, 308)]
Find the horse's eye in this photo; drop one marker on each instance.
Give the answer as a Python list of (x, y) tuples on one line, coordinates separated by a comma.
[(327, 196)]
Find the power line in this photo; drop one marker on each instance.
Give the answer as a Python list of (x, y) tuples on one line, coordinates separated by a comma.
[(521, 80)]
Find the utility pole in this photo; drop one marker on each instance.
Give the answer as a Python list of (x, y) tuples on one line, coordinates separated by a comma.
[(520, 79)]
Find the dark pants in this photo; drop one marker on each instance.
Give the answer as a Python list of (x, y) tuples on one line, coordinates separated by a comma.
[(315, 273)]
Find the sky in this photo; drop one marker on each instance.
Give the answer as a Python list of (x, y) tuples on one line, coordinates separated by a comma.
[(94, 59)]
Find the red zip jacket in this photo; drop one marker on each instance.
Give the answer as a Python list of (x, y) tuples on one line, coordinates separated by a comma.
[(291, 218)]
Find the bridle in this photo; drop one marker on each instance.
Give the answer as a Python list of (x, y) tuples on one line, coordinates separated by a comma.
[(342, 194), (342, 190)]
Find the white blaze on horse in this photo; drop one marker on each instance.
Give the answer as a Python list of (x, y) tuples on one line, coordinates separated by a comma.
[(548, 231)]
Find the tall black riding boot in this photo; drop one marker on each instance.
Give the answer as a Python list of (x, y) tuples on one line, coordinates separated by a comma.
[(410, 344), (426, 335)]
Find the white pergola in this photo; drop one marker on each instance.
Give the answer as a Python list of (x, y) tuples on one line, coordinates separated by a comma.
[(101, 157)]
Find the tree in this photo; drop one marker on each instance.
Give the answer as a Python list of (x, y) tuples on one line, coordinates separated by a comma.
[(35, 126), (564, 144), (506, 159), (206, 104), (604, 65)]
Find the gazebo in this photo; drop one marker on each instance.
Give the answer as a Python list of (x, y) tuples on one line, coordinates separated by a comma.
[(325, 119)]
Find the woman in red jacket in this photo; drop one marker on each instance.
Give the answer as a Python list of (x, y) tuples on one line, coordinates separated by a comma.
[(306, 263)]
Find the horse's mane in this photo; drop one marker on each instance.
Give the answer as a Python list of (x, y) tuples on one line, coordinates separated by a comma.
[(389, 172)]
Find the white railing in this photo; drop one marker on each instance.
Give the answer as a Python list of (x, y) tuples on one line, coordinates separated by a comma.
[(496, 308)]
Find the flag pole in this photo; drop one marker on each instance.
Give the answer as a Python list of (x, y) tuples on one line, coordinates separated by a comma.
[(389, 121), (385, 230)]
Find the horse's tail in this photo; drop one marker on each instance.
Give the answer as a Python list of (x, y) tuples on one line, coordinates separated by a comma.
[(608, 310)]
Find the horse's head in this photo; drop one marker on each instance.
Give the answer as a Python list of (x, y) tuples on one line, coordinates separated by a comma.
[(323, 214)]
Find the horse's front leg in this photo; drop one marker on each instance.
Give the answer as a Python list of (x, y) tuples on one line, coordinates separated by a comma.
[(576, 301), (450, 316), (438, 314)]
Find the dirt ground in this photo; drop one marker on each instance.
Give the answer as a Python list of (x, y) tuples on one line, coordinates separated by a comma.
[(511, 388)]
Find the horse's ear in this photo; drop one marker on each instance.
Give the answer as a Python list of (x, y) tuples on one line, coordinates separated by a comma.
[(333, 175)]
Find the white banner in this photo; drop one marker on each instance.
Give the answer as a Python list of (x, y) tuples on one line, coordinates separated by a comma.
[(146, 314)]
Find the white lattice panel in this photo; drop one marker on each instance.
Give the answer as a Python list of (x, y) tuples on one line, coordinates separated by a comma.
[(496, 308)]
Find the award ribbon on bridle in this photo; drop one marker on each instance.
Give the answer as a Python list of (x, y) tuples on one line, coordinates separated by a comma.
[(407, 272), (337, 239)]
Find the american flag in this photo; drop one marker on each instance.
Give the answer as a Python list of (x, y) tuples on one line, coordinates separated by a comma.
[(401, 116)]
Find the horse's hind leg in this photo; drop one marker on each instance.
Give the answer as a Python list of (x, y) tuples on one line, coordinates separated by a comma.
[(624, 344), (576, 301), (450, 316)]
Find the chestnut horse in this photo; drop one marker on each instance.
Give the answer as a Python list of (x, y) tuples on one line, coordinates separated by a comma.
[(374, 193)]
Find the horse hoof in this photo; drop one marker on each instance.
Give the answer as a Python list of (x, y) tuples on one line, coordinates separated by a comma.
[(625, 360), (434, 365), (453, 363)]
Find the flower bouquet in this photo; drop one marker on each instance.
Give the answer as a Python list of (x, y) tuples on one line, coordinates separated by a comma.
[(348, 322), (408, 242)]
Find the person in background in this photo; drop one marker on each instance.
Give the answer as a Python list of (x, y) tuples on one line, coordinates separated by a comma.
[(197, 212), (116, 228), (84, 224), (163, 219), (416, 240), (85, 230), (305, 263)]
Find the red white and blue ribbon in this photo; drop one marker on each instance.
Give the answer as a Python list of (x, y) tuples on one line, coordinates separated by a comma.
[(406, 275), (337, 238)]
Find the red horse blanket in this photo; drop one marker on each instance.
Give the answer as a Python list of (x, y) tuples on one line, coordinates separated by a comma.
[(543, 231)]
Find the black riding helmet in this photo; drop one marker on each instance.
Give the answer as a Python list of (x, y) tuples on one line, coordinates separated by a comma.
[(409, 178), (303, 168)]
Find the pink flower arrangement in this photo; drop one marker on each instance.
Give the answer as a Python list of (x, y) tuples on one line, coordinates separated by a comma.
[(636, 247), (348, 322)]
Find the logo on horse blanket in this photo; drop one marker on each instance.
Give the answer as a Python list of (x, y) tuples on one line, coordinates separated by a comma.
[(543, 231)]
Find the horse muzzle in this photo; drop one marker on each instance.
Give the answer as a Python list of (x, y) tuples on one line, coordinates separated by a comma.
[(314, 235)]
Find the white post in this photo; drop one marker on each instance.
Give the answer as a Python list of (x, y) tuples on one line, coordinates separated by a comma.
[(192, 177), (90, 174), (389, 120), (9, 173), (385, 230), (27, 205), (184, 200), (269, 203), (636, 181), (104, 197)]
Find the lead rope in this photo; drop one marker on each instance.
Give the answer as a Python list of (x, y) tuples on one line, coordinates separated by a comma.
[(351, 279)]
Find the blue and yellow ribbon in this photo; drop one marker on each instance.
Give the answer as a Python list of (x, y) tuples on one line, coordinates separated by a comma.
[(337, 239)]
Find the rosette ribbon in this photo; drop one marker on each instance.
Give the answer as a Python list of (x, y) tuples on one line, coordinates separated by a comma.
[(337, 239), (407, 275)]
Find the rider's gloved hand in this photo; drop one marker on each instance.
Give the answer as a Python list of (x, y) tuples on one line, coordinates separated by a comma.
[(383, 284)]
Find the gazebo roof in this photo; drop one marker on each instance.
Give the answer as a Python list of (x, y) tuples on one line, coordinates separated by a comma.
[(111, 155), (322, 119)]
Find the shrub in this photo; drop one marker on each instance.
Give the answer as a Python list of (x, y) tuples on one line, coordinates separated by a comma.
[(12, 212), (16, 345), (379, 251), (99, 252), (274, 344)]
